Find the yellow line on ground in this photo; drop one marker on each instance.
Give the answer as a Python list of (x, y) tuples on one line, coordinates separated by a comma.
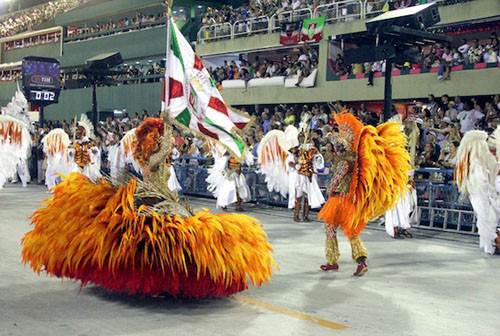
[(291, 313)]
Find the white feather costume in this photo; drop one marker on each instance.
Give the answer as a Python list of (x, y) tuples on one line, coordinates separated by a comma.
[(55, 148), (224, 183), (15, 140), (400, 216), (215, 177), (475, 174), (405, 210), (233, 185), (279, 167)]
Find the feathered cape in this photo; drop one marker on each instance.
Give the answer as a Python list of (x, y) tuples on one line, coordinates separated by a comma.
[(380, 175)]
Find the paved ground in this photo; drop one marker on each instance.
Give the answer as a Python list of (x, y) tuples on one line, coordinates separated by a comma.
[(437, 284)]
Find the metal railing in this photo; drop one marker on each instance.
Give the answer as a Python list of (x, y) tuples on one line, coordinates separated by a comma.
[(135, 27), (289, 16), (341, 11), (440, 206), (216, 32), (372, 9), (251, 26)]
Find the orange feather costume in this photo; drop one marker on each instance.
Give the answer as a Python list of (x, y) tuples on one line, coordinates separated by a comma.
[(110, 234), (380, 176)]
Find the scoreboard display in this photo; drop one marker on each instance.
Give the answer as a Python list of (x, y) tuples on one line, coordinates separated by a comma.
[(41, 80)]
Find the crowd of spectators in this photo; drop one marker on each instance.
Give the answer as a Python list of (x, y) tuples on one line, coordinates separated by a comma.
[(254, 16), (132, 23), (20, 21), (131, 74), (10, 75), (300, 64), (435, 56)]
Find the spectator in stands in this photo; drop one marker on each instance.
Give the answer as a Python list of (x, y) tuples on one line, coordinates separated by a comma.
[(340, 67), (446, 64), (464, 50), (429, 156), (451, 133), (494, 48), (457, 57), (496, 100), (447, 159), (475, 52), (492, 112), (289, 117), (451, 112), (469, 118), (432, 105), (328, 153), (266, 121), (459, 106)]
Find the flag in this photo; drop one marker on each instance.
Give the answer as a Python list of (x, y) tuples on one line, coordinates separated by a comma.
[(312, 30), (193, 101), (290, 33)]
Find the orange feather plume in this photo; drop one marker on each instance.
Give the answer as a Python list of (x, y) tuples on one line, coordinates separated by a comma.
[(380, 176)]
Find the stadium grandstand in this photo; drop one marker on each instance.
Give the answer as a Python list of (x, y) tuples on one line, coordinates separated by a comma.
[(276, 61)]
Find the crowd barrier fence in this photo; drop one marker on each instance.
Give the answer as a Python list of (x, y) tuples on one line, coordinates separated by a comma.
[(440, 206)]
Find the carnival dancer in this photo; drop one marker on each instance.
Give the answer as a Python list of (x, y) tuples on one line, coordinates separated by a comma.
[(234, 188), (138, 237), (15, 140), (22, 172), (476, 171), (310, 161), (55, 147), (116, 162), (83, 150), (173, 183), (399, 218), (370, 172), (291, 168)]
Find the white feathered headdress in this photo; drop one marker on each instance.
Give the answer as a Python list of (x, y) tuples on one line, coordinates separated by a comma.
[(56, 141), (87, 125), (272, 154)]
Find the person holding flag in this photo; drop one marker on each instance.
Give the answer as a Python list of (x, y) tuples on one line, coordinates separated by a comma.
[(138, 237)]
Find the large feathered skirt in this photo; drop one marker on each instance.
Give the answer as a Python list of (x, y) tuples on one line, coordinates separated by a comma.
[(93, 233)]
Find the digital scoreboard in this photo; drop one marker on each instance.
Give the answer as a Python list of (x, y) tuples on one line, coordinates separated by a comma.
[(41, 80)]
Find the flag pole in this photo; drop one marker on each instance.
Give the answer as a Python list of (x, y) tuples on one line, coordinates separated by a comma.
[(165, 114), (166, 78)]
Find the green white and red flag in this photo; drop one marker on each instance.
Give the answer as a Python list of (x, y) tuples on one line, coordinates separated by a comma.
[(193, 100), (312, 29)]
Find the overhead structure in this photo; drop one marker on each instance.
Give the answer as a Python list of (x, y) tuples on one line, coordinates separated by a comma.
[(393, 37), (97, 71)]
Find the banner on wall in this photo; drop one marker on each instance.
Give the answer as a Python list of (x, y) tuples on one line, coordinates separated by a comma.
[(290, 33), (312, 29)]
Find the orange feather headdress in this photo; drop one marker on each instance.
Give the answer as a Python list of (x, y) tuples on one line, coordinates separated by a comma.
[(148, 139)]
